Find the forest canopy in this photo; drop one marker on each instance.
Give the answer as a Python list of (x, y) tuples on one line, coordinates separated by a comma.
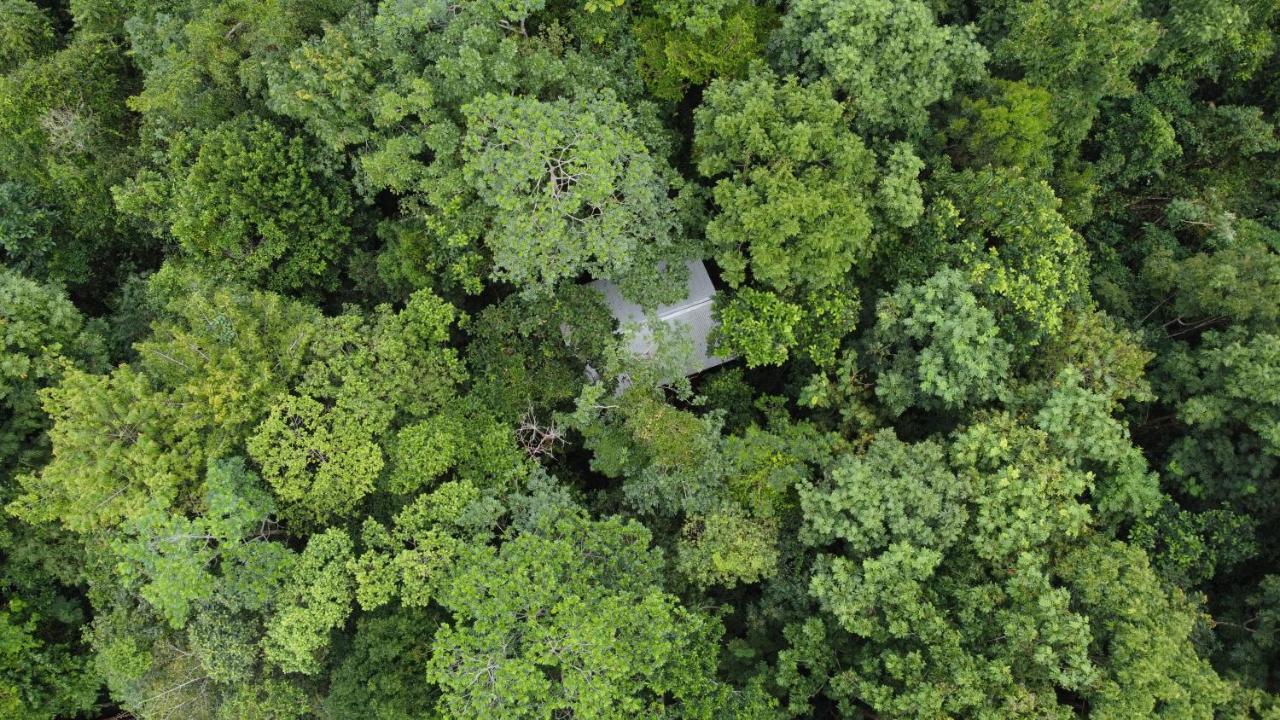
[(310, 409)]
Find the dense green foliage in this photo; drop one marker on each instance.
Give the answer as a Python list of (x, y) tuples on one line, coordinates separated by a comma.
[(308, 413)]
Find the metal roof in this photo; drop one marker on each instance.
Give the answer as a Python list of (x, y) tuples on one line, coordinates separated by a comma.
[(693, 314)]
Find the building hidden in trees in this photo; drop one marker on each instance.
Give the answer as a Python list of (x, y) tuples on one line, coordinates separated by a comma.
[(691, 314)]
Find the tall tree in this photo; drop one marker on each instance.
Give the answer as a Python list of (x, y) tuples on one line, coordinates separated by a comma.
[(573, 189), (891, 59)]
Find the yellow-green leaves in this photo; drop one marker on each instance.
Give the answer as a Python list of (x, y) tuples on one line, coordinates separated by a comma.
[(1026, 262), (726, 547), (320, 463), (690, 42), (758, 326), (567, 614), (41, 336), (25, 32), (174, 561), (1010, 125), (791, 182), (1083, 50), (315, 601)]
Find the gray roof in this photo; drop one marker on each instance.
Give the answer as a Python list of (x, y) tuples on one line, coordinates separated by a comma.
[(692, 314)]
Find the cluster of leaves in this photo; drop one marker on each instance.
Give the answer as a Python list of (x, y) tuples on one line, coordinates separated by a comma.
[(308, 412)]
